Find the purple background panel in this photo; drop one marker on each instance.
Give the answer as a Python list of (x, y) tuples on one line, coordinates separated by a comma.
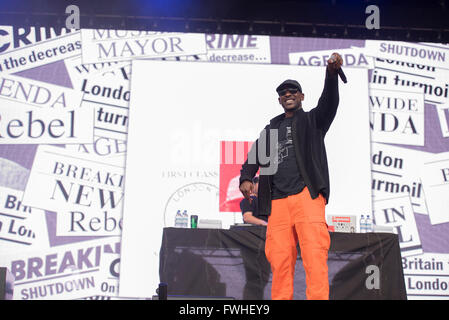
[(22, 154), (434, 238), (282, 46), (54, 73)]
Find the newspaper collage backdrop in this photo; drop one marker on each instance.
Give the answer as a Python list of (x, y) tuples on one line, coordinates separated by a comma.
[(63, 140)]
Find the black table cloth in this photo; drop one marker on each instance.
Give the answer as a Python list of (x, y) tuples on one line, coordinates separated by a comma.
[(232, 263)]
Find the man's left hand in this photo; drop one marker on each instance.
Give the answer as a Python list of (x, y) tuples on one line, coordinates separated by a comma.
[(334, 63)]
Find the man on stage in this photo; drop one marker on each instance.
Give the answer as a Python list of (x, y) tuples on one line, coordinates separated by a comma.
[(250, 209), (295, 195)]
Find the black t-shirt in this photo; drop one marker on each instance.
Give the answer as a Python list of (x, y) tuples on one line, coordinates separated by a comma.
[(245, 206), (287, 180)]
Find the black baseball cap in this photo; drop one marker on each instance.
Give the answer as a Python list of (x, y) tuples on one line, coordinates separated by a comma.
[(289, 84)]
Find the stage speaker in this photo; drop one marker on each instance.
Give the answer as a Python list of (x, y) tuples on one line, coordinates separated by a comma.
[(162, 294), (6, 284)]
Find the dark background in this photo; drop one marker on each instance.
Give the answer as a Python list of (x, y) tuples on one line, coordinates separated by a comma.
[(399, 20)]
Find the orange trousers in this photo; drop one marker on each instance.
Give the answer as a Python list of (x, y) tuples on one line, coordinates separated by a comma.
[(298, 218)]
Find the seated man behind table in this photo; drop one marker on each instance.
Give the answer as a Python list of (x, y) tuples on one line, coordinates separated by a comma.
[(250, 209)]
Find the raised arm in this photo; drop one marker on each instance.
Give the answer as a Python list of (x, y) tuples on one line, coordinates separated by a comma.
[(325, 111)]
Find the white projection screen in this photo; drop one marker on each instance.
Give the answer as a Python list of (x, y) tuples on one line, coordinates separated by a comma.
[(192, 106)]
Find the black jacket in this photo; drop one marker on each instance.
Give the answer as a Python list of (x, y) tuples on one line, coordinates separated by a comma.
[(308, 132)]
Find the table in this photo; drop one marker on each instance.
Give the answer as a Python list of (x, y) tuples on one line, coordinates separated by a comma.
[(232, 263)]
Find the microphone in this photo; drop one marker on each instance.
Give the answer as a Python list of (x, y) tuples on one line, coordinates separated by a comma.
[(342, 75), (340, 71)]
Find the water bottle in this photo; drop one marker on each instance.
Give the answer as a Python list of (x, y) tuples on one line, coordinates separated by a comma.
[(362, 224), (185, 219), (369, 224), (178, 219)]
